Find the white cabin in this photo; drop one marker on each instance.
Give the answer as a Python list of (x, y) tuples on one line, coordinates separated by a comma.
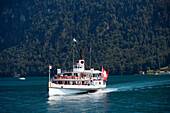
[(79, 67)]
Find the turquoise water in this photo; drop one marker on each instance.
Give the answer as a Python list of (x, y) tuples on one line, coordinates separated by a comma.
[(132, 93)]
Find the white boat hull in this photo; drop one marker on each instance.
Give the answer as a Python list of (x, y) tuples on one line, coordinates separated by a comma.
[(59, 91), (72, 89)]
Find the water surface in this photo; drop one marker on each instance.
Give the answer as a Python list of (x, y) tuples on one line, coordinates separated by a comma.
[(131, 93)]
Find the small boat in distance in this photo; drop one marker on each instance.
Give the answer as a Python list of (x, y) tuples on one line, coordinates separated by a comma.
[(163, 73), (77, 81), (22, 78)]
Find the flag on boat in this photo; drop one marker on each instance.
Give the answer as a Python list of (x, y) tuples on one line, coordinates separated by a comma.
[(74, 40), (50, 67), (104, 74)]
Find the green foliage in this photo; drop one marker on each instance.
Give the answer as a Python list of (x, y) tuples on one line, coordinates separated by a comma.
[(126, 36)]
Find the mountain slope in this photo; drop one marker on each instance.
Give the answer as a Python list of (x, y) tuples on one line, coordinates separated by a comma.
[(126, 36)]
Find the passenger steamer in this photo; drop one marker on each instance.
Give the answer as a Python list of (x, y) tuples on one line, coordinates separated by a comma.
[(78, 81)]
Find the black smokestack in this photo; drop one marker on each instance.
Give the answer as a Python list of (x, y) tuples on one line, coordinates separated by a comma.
[(81, 54)]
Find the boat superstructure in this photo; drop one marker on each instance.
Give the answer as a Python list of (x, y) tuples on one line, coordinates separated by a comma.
[(77, 81)]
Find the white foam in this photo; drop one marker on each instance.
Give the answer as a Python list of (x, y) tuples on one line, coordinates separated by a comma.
[(106, 90), (137, 85)]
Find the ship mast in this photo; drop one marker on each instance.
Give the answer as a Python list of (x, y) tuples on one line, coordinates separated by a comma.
[(73, 52), (74, 41), (90, 54)]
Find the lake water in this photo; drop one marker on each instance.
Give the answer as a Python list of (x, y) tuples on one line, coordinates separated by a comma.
[(131, 93)]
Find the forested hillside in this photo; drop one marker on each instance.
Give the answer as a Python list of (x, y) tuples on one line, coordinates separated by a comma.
[(126, 35)]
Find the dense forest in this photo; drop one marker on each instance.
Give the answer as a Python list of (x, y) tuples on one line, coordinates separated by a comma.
[(126, 36)]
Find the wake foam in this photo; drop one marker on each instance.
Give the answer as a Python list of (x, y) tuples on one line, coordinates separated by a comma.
[(138, 85), (131, 86), (106, 90)]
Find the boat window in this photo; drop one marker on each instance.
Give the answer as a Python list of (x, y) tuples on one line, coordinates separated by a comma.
[(59, 82), (75, 74), (65, 82), (74, 82), (83, 82)]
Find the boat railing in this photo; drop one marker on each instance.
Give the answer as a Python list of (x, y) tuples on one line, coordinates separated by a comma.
[(75, 78), (70, 77)]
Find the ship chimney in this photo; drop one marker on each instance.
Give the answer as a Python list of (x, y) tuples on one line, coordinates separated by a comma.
[(81, 54), (79, 67)]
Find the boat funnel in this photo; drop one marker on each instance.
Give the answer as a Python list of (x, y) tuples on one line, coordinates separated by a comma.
[(81, 54), (79, 67)]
